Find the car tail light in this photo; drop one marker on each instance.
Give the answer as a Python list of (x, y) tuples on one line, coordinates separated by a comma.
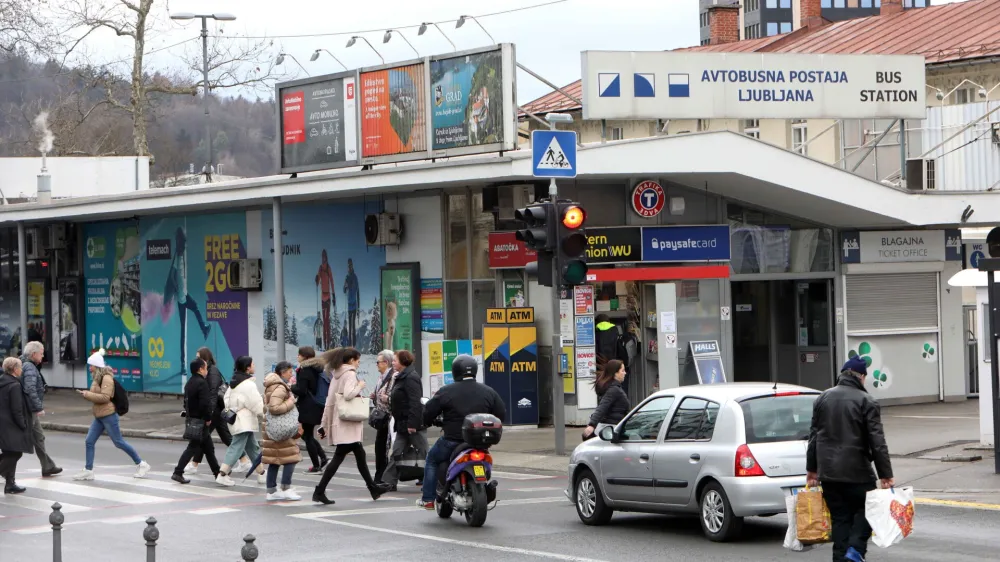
[(746, 465)]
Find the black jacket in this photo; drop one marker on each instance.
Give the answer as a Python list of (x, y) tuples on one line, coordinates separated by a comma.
[(405, 400), (306, 381), (612, 405), (15, 417), (215, 381), (846, 435), (459, 399), (199, 399)]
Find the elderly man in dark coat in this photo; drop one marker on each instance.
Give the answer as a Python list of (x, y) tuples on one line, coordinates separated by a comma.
[(15, 424)]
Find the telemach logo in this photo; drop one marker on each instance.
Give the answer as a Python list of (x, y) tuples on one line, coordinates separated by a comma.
[(158, 249)]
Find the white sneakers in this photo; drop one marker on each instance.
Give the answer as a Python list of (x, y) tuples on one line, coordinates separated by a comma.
[(84, 475), (191, 468), (224, 480), (283, 495), (241, 466), (141, 469)]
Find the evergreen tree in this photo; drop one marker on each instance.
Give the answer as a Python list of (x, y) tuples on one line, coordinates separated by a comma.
[(335, 326), (375, 327), (288, 333), (294, 339)]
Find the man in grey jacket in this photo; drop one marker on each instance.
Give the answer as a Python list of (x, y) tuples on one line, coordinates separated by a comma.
[(34, 389)]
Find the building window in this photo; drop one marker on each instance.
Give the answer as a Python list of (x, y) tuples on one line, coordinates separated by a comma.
[(828, 3), (762, 242), (772, 28), (786, 4), (964, 95), (705, 41), (878, 3), (470, 287), (920, 3), (771, 4), (704, 124), (838, 3), (751, 128), (866, 3), (800, 136), (786, 27), (617, 133), (751, 6)]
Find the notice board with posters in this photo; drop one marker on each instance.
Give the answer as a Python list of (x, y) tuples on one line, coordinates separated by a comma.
[(318, 120)]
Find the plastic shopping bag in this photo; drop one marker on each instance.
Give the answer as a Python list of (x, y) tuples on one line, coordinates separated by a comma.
[(812, 518), (890, 514), (792, 541)]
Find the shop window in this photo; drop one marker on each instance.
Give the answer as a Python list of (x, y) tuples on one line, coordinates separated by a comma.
[(769, 243), (470, 287), (457, 310), (482, 224), (457, 237)]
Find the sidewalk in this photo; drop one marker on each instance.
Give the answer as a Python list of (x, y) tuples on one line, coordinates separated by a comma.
[(919, 437)]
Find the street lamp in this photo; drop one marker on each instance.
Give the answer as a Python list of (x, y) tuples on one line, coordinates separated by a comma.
[(354, 39), (461, 22), (315, 57), (183, 16), (281, 59), (423, 29), (388, 35)]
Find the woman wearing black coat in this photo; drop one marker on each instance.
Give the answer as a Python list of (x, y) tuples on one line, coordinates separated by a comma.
[(15, 424), (215, 382), (310, 405), (613, 403)]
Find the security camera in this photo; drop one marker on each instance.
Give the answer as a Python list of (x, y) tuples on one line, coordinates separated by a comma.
[(982, 93), (939, 95)]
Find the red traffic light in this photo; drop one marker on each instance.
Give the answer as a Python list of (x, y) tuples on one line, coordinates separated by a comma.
[(573, 217)]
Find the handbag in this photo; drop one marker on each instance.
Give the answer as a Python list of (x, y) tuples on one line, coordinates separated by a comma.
[(353, 410), (379, 418), (282, 427), (194, 428), (228, 416)]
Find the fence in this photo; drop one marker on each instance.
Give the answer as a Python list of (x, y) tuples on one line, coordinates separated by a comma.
[(151, 534)]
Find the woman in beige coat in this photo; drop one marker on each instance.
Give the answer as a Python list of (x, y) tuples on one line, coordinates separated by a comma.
[(346, 435), (278, 400)]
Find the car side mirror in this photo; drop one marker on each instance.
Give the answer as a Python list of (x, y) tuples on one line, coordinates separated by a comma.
[(607, 433)]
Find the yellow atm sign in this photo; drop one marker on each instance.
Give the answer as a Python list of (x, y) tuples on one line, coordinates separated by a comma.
[(524, 315)]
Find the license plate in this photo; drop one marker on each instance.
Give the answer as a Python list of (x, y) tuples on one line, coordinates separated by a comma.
[(479, 471)]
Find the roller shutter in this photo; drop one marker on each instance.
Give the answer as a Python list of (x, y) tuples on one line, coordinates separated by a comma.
[(892, 301)]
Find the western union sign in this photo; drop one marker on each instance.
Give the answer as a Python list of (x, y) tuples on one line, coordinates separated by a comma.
[(525, 315)]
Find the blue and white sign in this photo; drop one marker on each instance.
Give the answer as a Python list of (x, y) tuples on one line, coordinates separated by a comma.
[(685, 243), (585, 336), (553, 154), (702, 85), (974, 252)]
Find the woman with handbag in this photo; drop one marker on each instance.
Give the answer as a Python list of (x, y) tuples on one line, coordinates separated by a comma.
[(219, 387), (311, 387), (199, 404), (343, 421), (380, 412), (280, 433), (244, 408)]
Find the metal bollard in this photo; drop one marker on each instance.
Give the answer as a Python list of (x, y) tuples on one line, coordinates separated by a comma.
[(56, 519), (151, 534), (249, 551)]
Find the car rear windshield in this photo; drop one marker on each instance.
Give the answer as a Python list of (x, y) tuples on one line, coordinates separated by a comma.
[(770, 419)]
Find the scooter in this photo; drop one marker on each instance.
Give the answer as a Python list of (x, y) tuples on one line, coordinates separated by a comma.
[(464, 483)]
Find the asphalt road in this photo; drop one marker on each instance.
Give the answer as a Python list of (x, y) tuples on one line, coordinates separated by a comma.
[(533, 520)]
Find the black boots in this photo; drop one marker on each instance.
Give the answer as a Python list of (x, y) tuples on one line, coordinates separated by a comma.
[(319, 496), (377, 490), (12, 488)]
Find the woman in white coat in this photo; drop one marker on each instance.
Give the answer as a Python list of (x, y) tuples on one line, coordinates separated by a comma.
[(244, 398)]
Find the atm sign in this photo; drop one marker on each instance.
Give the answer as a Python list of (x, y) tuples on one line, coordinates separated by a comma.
[(524, 315)]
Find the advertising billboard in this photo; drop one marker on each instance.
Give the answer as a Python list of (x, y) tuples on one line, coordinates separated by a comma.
[(693, 85), (467, 100), (394, 111), (318, 122)]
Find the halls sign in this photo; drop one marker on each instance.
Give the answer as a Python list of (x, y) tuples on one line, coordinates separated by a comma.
[(692, 85)]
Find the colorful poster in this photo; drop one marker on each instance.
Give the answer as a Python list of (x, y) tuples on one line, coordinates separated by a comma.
[(584, 298), (10, 323), (331, 283), (393, 111), (514, 294), (111, 266), (468, 100), (186, 299), (318, 123), (398, 307), (432, 306)]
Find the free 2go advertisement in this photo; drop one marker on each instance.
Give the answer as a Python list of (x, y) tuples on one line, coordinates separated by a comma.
[(186, 300)]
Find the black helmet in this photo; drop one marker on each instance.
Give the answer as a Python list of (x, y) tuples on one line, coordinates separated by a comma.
[(464, 367)]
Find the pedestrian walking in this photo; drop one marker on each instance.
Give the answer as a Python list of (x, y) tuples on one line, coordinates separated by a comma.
[(244, 399), (345, 435), (216, 382), (408, 415), (280, 454), (34, 390), (101, 394), (312, 383), (846, 437), (199, 405), (353, 291), (612, 402), (15, 424), (380, 401)]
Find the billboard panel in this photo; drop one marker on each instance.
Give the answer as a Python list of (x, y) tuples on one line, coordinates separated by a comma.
[(393, 111), (693, 85), (467, 96), (318, 123)]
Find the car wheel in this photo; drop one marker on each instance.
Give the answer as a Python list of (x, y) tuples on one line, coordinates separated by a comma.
[(717, 519), (590, 504)]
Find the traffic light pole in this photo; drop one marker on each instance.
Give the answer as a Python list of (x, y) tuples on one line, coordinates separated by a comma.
[(558, 398)]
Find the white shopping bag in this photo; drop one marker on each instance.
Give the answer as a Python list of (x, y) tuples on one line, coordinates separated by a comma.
[(792, 541), (890, 514)]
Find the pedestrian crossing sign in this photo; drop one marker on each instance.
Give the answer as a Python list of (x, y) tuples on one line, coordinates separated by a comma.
[(553, 154)]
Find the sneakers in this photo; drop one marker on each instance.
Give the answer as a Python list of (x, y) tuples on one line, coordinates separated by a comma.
[(224, 480), (291, 496), (241, 466), (191, 468), (84, 475), (429, 506), (179, 478), (142, 469), (275, 496), (853, 555)]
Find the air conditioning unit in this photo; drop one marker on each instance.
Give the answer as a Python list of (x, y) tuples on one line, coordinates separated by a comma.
[(34, 247), (383, 229), (920, 174), (57, 236), (514, 197), (245, 274)]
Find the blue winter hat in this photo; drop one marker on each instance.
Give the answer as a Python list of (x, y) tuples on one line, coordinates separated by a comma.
[(856, 364)]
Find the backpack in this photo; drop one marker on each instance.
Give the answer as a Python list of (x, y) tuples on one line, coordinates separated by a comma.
[(322, 389), (120, 399)]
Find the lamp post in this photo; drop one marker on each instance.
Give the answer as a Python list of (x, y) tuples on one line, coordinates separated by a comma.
[(184, 16), (315, 57), (354, 39), (461, 22), (281, 59), (423, 29), (388, 35)]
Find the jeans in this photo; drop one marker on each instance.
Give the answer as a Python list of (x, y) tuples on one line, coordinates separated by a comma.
[(243, 444), (316, 453), (109, 425), (199, 447), (381, 451), (220, 427), (38, 438), (286, 476), (338, 457), (846, 503), (439, 453), (403, 440), (8, 464)]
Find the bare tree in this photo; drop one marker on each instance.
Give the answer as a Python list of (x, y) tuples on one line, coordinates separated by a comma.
[(22, 26)]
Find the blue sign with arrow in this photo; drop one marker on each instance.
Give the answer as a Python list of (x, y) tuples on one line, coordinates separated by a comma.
[(553, 154)]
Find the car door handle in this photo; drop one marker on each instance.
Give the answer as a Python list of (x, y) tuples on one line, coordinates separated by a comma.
[(644, 457), (696, 457)]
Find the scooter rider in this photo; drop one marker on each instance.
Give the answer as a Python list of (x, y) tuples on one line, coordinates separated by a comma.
[(453, 403)]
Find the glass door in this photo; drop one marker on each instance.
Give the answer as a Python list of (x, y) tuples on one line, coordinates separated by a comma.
[(751, 331)]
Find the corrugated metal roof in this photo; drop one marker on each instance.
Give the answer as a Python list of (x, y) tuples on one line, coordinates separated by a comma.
[(945, 33)]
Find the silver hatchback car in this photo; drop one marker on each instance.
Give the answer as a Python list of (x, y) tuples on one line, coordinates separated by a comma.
[(725, 452)]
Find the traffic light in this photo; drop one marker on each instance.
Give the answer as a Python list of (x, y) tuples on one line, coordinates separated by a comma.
[(540, 235), (572, 251)]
